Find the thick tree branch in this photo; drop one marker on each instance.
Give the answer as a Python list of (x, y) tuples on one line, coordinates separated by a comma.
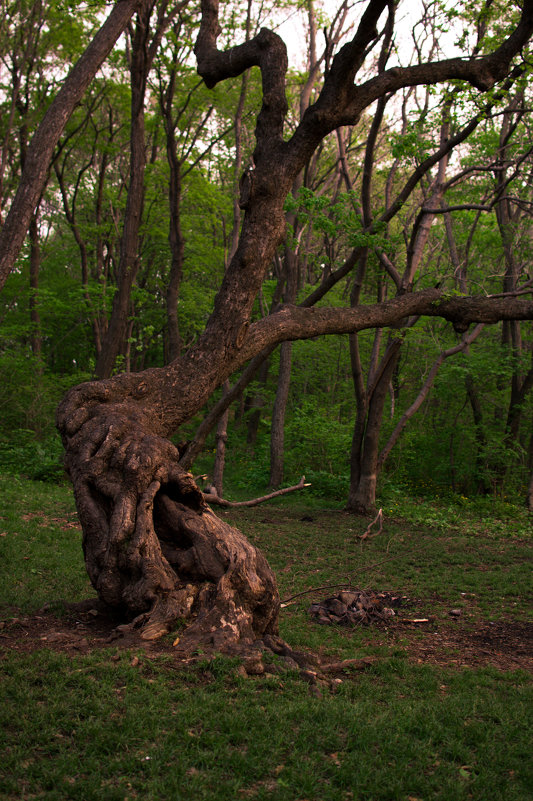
[(341, 102), (293, 322)]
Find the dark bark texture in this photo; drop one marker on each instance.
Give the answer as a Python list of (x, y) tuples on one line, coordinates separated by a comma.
[(153, 548)]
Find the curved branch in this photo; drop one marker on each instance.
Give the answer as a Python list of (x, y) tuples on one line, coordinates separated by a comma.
[(266, 50), (211, 497)]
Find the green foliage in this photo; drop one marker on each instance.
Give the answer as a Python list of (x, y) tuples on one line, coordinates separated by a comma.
[(336, 219), (315, 441), (29, 394), (40, 459)]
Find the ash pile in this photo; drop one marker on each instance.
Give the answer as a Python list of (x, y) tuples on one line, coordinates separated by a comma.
[(357, 608)]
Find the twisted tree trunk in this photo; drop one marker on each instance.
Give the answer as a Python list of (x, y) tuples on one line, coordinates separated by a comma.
[(153, 548)]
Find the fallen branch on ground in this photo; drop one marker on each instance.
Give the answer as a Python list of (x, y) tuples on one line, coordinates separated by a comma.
[(212, 497)]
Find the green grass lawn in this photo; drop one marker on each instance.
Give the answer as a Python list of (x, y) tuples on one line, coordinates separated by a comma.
[(115, 724)]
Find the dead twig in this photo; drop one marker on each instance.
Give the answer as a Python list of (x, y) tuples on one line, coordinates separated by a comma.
[(378, 519), (212, 497)]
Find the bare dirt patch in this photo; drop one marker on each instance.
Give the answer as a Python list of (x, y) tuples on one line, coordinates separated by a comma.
[(503, 644), (459, 643)]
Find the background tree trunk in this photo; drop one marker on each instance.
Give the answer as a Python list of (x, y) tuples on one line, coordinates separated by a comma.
[(39, 155), (221, 438), (277, 432), (115, 336)]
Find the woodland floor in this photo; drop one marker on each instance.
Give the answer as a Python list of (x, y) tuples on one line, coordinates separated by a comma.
[(505, 644), (440, 706), (297, 547)]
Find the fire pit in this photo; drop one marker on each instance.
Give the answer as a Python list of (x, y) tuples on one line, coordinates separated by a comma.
[(357, 607)]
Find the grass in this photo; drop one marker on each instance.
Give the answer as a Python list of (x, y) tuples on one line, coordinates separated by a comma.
[(93, 728), (40, 545), (107, 726)]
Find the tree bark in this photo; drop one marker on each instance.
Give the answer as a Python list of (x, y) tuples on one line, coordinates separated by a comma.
[(152, 546)]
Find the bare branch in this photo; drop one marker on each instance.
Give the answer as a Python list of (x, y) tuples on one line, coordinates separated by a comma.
[(368, 534), (213, 498), (424, 392)]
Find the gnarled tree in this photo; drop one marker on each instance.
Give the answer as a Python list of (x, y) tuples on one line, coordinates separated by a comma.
[(152, 546)]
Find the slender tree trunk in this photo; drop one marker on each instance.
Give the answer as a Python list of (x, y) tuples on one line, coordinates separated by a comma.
[(35, 265), (177, 249), (483, 485), (254, 405), (277, 433), (529, 495), (221, 438), (116, 333), (364, 465)]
